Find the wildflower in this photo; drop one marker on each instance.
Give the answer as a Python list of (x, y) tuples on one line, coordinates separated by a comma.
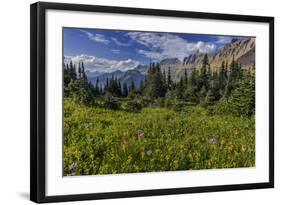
[(176, 164), (139, 135), (73, 166), (130, 158), (149, 152), (212, 141)]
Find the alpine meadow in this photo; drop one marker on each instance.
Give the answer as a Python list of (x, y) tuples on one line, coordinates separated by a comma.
[(137, 101)]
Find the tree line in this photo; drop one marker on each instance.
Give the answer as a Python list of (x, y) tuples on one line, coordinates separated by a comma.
[(231, 88)]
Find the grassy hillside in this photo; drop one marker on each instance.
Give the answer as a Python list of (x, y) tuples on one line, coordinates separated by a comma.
[(104, 141)]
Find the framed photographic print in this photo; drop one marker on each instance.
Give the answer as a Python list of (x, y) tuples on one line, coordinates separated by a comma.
[(129, 102)]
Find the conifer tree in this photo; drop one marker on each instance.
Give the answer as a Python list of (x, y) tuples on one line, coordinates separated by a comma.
[(165, 80), (141, 87), (242, 100), (185, 78), (222, 77), (202, 93), (72, 71), (193, 78), (132, 89), (233, 78), (83, 73), (79, 71), (97, 86), (180, 88), (66, 75), (119, 88), (210, 98), (169, 79), (125, 89), (155, 87), (204, 77), (106, 85)]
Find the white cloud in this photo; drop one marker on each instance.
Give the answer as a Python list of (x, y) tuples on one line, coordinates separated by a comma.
[(93, 63), (119, 43), (223, 39), (164, 45), (96, 37), (151, 54), (115, 51)]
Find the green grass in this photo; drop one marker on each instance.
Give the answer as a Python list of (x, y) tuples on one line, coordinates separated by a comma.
[(103, 141)]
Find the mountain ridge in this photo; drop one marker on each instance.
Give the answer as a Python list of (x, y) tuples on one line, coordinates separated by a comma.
[(241, 50)]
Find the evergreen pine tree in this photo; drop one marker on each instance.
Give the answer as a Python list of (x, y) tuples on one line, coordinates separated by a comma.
[(202, 93), (106, 85), (125, 89), (79, 71), (210, 98), (141, 87), (169, 79), (180, 88), (155, 87), (165, 80), (185, 78), (233, 78), (83, 73), (204, 72), (119, 88), (97, 88), (222, 77), (132, 89), (242, 100)]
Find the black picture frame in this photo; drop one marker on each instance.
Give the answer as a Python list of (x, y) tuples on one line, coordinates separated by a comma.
[(38, 101)]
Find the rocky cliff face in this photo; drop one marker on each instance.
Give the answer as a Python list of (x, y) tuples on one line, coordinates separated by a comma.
[(242, 50)]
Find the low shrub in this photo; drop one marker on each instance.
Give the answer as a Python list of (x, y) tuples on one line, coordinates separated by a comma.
[(111, 103), (133, 106)]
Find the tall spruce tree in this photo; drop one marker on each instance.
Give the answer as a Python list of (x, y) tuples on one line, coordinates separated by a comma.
[(97, 88), (155, 87), (204, 72), (141, 87), (169, 79), (125, 89), (132, 89), (242, 100), (185, 78), (222, 77), (180, 87), (79, 71), (233, 78), (204, 77), (83, 73)]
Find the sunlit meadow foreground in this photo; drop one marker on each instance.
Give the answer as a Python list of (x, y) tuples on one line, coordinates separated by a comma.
[(105, 141)]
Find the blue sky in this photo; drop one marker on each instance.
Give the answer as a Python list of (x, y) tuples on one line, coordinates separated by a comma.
[(109, 50)]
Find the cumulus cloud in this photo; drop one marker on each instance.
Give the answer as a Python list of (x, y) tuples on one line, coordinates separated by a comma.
[(150, 54), (119, 43), (96, 37), (93, 63), (164, 45)]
